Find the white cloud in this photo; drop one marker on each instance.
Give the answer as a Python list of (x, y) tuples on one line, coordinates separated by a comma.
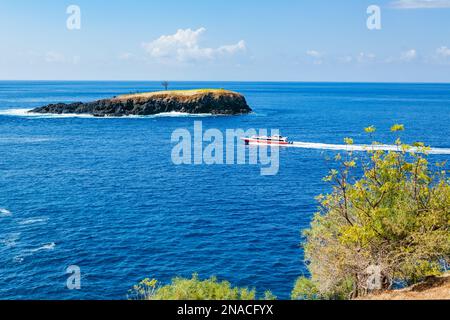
[(313, 53), (126, 56), (420, 4), (57, 57), (232, 49), (52, 56), (360, 58), (441, 56), (443, 52), (316, 55), (409, 55), (364, 57), (184, 46), (345, 59)]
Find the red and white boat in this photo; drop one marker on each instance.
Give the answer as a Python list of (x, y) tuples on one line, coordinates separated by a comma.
[(263, 140)]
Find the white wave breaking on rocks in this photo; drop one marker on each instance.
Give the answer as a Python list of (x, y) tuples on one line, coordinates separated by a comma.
[(27, 113)]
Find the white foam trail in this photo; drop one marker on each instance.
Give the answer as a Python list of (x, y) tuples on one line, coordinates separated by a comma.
[(48, 246), (10, 240), (177, 114), (17, 112), (5, 212), (26, 113), (32, 221), (15, 140), (363, 148), (26, 253)]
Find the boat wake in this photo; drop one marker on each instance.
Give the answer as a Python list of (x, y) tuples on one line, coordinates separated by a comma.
[(362, 148), (301, 145)]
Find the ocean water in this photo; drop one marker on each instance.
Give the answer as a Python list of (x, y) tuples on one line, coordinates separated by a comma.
[(104, 194)]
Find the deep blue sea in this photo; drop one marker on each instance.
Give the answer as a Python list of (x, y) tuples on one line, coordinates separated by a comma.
[(104, 194)]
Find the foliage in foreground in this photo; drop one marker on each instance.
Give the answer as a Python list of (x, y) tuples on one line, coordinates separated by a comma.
[(193, 289), (393, 224)]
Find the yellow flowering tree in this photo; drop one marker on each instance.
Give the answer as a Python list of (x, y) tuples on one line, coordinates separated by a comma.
[(387, 219)]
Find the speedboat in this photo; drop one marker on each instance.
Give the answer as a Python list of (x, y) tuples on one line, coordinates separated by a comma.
[(263, 140)]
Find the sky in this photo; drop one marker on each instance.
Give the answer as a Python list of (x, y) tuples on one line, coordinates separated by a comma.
[(233, 40)]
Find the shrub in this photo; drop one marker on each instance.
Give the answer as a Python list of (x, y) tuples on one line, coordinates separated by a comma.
[(387, 219), (193, 289), (305, 289)]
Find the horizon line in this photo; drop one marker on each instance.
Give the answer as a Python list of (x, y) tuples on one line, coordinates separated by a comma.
[(228, 81)]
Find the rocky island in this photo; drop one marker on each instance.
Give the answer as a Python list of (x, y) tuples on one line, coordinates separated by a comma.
[(203, 101)]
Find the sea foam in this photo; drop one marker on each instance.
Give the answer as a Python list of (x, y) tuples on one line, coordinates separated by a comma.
[(27, 113), (33, 221), (27, 253), (10, 240), (48, 246), (22, 140), (5, 212)]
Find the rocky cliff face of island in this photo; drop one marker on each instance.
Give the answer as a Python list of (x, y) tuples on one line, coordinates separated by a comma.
[(217, 102)]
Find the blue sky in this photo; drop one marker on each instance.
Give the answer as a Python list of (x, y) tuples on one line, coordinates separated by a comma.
[(246, 40)]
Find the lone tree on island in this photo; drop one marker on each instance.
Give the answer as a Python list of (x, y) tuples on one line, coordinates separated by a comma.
[(165, 84)]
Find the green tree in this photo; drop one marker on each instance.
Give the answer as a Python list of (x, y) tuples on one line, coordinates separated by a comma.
[(305, 289), (193, 289), (165, 84), (387, 219)]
